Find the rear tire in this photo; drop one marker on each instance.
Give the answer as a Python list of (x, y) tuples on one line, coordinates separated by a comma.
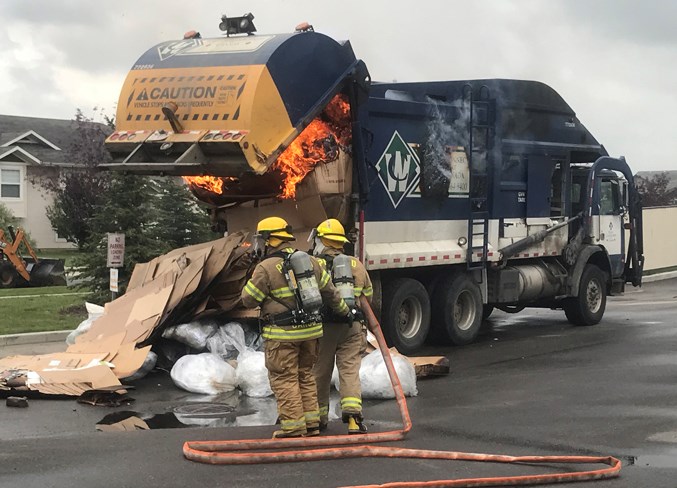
[(9, 278), (405, 314), (458, 310), (588, 307)]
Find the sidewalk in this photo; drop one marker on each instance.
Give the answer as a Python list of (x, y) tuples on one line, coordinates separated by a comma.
[(33, 343)]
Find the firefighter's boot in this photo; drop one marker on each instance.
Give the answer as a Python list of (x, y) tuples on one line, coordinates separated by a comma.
[(356, 425), (286, 434)]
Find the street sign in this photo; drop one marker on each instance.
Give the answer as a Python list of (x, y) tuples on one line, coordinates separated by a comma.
[(114, 280), (116, 250)]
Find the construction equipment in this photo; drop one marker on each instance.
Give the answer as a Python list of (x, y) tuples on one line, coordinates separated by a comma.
[(459, 196), (17, 271)]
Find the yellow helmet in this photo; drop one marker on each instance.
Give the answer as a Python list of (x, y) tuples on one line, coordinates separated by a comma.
[(275, 227), (332, 230)]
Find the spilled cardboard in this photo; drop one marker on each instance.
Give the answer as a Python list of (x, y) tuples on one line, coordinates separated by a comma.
[(424, 366), (168, 288)]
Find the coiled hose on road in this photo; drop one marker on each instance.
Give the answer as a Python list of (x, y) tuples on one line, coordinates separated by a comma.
[(344, 446)]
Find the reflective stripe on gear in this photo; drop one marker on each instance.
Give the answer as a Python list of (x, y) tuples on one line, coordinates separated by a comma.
[(285, 292), (254, 292), (368, 291), (324, 410), (325, 279), (307, 332), (351, 403), (312, 417), (292, 425)]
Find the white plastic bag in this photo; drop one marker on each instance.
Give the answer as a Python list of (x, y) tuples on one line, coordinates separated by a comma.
[(228, 341), (204, 373), (376, 382), (252, 375), (193, 334), (93, 312)]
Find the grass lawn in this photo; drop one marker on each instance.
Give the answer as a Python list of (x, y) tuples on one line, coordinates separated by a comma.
[(68, 255), (41, 309)]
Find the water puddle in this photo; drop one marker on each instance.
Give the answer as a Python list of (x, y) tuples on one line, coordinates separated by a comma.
[(246, 412)]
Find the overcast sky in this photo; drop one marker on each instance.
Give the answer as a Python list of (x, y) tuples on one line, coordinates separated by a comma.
[(613, 61)]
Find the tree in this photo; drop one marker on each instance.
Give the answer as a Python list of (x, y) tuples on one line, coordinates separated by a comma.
[(125, 207), (7, 220), (655, 191), (180, 221), (156, 216), (78, 188)]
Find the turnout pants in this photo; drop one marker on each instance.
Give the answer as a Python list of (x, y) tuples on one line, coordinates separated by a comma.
[(290, 366), (347, 344)]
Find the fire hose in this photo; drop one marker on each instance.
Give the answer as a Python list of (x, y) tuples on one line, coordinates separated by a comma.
[(344, 446)]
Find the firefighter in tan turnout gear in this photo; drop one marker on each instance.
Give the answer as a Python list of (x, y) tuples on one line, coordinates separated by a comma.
[(345, 342), (290, 287)]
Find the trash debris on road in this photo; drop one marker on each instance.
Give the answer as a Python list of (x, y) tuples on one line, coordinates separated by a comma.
[(204, 373), (180, 314), (105, 398), (17, 402)]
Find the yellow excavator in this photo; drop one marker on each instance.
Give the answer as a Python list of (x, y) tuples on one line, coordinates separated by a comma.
[(17, 271)]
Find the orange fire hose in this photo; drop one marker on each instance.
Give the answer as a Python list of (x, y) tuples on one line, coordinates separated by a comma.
[(343, 446)]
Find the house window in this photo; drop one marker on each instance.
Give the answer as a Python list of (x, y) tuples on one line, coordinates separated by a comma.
[(10, 183)]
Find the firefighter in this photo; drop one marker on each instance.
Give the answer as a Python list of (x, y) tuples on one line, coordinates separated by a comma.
[(342, 342), (291, 326)]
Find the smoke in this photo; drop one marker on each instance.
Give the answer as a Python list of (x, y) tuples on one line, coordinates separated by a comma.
[(444, 132)]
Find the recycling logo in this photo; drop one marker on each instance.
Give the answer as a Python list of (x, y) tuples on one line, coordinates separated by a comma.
[(398, 169)]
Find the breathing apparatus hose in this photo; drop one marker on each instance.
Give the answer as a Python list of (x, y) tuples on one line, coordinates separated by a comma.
[(352, 446)]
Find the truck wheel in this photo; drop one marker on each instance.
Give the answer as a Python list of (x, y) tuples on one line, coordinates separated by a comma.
[(458, 310), (405, 314), (8, 275), (588, 307)]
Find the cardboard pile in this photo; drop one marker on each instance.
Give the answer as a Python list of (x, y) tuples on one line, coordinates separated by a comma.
[(180, 285)]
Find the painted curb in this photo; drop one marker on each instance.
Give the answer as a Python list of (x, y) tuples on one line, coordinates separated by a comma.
[(34, 337)]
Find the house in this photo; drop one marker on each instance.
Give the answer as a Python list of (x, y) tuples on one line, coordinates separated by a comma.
[(31, 148)]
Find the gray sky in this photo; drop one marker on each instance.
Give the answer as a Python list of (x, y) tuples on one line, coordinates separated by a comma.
[(613, 61)]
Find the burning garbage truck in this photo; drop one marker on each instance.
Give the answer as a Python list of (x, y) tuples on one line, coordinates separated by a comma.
[(459, 196)]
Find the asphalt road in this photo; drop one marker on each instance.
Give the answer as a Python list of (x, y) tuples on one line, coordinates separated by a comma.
[(533, 384)]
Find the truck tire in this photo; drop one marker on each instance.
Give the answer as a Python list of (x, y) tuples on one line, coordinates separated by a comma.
[(8, 275), (405, 314), (458, 310), (588, 307)]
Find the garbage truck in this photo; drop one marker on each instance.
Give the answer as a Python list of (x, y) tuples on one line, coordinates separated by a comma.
[(460, 196)]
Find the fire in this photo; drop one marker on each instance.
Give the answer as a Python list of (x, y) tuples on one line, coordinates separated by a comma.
[(319, 142), (213, 184)]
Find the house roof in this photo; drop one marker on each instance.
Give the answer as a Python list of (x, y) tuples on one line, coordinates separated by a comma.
[(46, 140)]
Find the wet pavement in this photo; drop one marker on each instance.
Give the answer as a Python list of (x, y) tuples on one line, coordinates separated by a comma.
[(532, 384)]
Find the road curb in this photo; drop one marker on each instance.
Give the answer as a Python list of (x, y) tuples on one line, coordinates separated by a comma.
[(659, 276), (34, 337)]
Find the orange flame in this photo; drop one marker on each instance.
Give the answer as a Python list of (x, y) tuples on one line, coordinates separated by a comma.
[(317, 143), (214, 184)]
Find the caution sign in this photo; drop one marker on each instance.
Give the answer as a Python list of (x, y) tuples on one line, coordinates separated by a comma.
[(116, 250)]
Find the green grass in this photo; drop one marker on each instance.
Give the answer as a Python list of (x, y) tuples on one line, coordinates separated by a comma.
[(68, 255), (35, 310)]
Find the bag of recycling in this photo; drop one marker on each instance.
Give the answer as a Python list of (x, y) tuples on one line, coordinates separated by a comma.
[(252, 375), (376, 382), (204, 373)]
